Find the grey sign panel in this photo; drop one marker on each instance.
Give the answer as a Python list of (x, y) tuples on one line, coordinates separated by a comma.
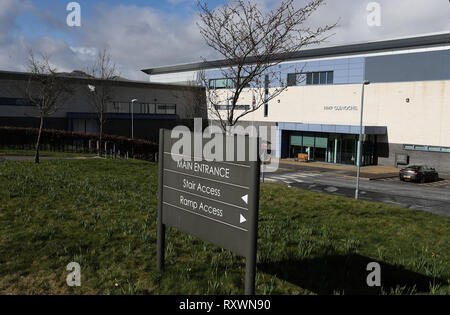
[(207, 188), (210, 200), (222, 173), (216, 201)]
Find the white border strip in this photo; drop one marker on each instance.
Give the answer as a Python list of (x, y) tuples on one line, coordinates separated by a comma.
[(213, 180), (204, 161), (236, 227), (199, 196)]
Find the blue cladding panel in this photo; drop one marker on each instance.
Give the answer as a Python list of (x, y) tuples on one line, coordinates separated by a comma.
[(346, 129), (356, 60), (341, 68), (354, 72), (424, 66), (341, 80)]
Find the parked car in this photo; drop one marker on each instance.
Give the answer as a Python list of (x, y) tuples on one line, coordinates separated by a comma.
[(419, 173)]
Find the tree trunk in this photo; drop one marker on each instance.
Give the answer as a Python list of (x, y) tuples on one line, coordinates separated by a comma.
[(38, 142)]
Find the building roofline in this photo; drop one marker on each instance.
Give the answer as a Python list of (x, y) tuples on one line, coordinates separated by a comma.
[(422, 41), (13, 75)]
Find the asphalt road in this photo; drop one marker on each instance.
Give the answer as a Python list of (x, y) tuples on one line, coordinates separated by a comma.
[(394, 192)]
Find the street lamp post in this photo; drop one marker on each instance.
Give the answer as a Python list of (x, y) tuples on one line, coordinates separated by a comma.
[(358, 163), (132, 118)]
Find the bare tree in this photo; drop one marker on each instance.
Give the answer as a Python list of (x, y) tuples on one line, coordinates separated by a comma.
[(47, 89), (195, 103), (253, 42), (101, 91)]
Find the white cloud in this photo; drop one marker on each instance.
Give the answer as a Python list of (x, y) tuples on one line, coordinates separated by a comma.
[(144, 37), (398, 18)]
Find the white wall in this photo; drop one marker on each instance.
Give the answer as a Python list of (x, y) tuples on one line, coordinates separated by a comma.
[(175, 78), (425, 120)]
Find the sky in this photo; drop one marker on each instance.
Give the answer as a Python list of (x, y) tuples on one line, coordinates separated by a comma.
[(143, 34)]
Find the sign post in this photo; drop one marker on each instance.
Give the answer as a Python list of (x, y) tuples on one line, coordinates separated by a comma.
[(216, 201), (161, 237)]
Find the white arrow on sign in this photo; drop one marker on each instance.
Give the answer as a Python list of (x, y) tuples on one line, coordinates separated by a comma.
[(243, 219), (245, 198)]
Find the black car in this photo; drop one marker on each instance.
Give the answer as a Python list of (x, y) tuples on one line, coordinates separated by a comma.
[(419, 173)]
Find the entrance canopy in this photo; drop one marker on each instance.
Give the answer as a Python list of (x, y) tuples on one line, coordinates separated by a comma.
[(345, 129)]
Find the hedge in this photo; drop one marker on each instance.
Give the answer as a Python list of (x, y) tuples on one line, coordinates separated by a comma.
[(61, 140)]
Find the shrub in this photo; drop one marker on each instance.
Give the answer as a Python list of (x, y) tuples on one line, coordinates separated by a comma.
[(61, 140)]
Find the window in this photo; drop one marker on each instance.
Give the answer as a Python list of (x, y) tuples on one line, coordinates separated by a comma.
[(224, 83), (321, 142), (316, 78), (237, 107), (330, 77), (311, 78), (292, 79), (242, 81), (297, 140), (412, 147), (220, 84), (8, 101), (167, 109), (323, 78), (141, 108), (147, 109)]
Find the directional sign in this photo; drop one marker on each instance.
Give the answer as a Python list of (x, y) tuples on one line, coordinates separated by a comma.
[(216, 201)]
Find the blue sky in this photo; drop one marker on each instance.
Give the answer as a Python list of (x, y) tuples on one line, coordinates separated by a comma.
[(33, 26), (146, 33)]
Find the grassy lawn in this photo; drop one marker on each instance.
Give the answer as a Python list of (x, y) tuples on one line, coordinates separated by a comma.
[(11, 152), (102, 214)]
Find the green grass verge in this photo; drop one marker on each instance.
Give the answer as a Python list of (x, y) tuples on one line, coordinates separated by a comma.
[(12, 152), (102, 214)]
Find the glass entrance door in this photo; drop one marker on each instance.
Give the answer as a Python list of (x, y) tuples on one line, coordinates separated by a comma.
[(349, 145), (320, 148), (334, 149)]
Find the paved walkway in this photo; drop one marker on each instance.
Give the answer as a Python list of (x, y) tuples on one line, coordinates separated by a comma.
[(367, 172)]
